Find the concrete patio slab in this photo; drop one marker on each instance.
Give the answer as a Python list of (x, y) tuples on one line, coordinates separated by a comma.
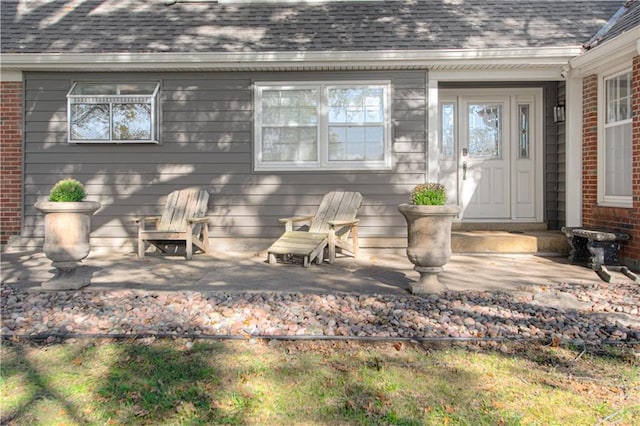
[(249, 272)]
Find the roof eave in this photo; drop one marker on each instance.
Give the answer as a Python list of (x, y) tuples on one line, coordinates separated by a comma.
[(390, 59), (604, 55)]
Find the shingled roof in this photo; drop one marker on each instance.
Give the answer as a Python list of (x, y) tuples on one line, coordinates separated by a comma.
[(142, 26), (625, 19)]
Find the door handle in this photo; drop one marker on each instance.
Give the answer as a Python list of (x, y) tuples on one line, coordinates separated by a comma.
[(464, 170)]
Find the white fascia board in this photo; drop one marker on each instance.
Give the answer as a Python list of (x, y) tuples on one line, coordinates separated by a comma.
[(550, 73), (270, 60), (279, 1), (603, 56)]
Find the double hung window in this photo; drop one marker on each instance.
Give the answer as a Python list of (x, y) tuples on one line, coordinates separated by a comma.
[(615, 177), (113, 112), (318, 126)]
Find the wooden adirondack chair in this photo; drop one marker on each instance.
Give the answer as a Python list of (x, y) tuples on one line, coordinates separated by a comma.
[(183, 221), (333, 223)]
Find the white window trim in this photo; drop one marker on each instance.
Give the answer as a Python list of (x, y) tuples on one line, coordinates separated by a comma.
[(603, 199), (154, 113), (323, 162)]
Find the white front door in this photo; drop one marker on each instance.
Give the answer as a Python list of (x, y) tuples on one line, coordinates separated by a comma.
[(489, 153), (484, 158)]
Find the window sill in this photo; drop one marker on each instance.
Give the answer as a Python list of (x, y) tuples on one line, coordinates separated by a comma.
[(316, 168), (114, 142)]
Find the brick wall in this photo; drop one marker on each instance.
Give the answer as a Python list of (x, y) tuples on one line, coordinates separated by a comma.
[(610, 218), (632, 250), (10, 159)]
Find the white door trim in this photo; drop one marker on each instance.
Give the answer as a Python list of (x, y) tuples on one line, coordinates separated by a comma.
[(516, 96)]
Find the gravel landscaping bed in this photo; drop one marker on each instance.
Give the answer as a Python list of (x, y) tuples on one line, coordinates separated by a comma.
[(591, 314)]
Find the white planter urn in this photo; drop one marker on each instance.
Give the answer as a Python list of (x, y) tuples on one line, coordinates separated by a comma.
[(67, 227), (429, 243)]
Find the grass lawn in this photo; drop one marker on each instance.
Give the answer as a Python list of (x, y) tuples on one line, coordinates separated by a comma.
[(316, 382)]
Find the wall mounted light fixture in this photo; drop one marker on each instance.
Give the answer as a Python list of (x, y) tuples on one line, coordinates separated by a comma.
[(558, 113)]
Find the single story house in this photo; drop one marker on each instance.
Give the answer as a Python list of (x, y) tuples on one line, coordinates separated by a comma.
[(269, 104)]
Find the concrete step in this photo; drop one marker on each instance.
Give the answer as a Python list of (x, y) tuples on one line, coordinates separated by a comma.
[(499, 226), (514, 242)]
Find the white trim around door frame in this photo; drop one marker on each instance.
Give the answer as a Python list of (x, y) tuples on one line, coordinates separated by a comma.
[(524, 168)]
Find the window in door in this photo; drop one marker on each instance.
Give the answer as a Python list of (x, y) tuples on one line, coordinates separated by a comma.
[(447, 130), (523, 131), (485, 131)]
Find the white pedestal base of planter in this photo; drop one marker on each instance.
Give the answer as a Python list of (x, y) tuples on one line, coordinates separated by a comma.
[(428, 282), (69, 276)]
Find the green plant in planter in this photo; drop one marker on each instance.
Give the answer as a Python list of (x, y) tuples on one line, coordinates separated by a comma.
[(429, 194), (67, 190)]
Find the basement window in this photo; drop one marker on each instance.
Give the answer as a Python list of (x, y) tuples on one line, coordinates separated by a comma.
[(113, 112)]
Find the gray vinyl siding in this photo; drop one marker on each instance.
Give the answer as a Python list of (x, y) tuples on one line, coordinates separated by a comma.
[(562, 162), (554, 163), (206, 140)]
